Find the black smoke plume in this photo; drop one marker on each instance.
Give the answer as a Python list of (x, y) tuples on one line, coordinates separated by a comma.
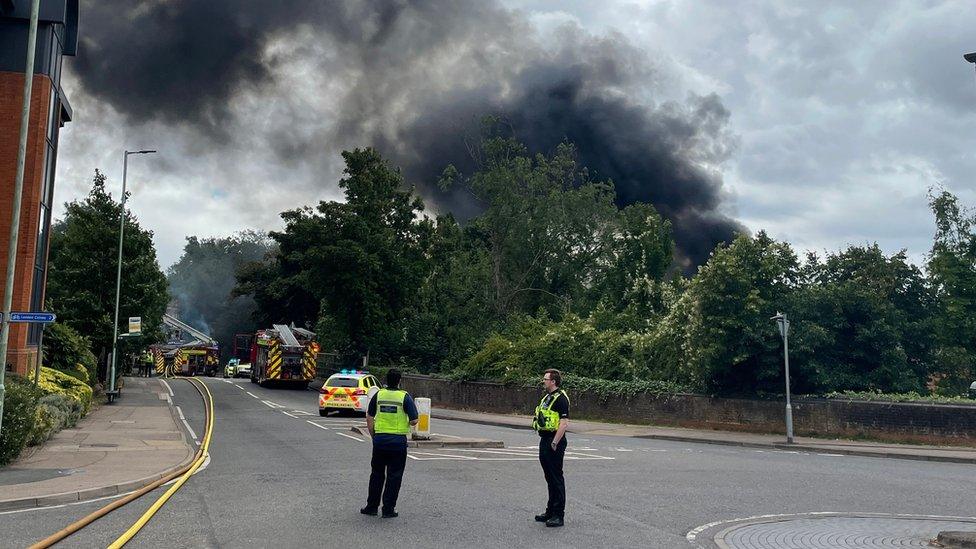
[(416, 78)]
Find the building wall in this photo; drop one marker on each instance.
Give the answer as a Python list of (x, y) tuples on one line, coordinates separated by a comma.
[(20, 356), (896, 422)]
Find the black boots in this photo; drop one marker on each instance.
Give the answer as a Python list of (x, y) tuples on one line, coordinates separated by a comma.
[(554, 522)]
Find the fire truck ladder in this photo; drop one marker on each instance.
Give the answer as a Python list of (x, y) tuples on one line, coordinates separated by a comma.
[(177, 324)]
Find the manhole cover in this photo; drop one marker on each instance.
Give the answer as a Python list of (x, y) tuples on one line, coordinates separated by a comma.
[(829, 531)]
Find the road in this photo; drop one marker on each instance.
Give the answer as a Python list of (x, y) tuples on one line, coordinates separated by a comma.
[(281, 476)]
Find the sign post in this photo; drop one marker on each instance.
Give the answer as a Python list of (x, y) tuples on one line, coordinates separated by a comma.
[(135, 325)]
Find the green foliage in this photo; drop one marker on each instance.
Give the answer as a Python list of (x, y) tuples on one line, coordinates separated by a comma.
[(722, 332), (19, 405), (574, 345), (611, 388), (68, 351), (862, 321), (82, 270), (203, 280), (54, 382), (54, 412), (952, 269)]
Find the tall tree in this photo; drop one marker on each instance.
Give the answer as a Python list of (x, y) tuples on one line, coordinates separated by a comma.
[(952, 268), (202, 281), (82, 270), (349, 268)]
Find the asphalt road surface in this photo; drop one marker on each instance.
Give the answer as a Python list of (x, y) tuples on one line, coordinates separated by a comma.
[(281, 476)]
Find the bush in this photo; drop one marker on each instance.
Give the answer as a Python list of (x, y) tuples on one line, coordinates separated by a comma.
[(19, 403), (68, 351), (572, 345), (56, 382), (53, 413)]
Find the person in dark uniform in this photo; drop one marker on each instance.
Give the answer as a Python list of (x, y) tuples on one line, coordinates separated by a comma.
[(551, 420), (389, 416)]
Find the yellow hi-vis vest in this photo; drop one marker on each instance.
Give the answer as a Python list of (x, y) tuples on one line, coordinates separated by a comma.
[(391, 418), (546, 419)]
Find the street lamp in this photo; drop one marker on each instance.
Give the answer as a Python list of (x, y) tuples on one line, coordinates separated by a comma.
[(971, 57), (118, 277), (784, 330)]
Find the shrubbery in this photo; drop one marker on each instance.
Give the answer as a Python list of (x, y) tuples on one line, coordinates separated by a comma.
[(54, 382), (53, 413), (19, 404), (68, 351)]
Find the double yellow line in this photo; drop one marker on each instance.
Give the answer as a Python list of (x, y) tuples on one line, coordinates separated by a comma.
[(184, 474)]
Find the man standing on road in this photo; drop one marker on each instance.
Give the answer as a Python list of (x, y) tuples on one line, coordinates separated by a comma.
[(389, 416), (551, 420)]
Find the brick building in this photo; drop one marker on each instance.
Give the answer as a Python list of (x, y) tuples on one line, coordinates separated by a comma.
[(57, 36)]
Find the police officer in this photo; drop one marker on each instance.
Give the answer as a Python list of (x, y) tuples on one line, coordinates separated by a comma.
[(389, 416), (551, 420)]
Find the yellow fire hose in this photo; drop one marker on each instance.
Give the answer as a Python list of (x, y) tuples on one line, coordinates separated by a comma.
[(183, 474)]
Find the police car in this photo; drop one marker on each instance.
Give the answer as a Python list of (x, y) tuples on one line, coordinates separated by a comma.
[(348, 390)]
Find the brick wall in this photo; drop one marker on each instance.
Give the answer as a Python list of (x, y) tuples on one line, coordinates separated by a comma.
[(896, 422), (11, 103)]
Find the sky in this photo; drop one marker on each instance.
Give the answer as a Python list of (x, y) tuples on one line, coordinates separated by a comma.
[(823, 123)]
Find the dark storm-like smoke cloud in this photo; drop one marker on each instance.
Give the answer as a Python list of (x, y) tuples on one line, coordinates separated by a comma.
[(420, 77)]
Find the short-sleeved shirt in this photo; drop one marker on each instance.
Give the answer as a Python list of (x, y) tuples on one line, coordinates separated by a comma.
[(389, 441), (560, 406)]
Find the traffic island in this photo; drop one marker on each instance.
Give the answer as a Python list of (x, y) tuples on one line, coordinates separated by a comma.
[(441, 441), (956, 540)]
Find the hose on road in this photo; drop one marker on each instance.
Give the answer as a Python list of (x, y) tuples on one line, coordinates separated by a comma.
[(183, 474)]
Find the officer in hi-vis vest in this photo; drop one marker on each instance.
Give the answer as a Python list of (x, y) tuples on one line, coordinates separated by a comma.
[(551, 420), (389, 416)]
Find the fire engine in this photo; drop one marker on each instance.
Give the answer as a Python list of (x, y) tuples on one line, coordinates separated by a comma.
[(281, 354), (188, 351)]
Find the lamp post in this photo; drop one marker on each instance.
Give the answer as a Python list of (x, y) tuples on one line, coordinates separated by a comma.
[(8, 289), (784, 330), (118, 277)]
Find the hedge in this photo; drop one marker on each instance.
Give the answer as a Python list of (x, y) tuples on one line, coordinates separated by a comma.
[(57, 382), (19, 405)]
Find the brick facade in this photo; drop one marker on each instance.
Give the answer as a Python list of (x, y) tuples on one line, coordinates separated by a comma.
[(890, 421), (20, 356)]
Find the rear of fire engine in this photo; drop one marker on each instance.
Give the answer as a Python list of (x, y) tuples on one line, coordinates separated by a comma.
[(283, 354)]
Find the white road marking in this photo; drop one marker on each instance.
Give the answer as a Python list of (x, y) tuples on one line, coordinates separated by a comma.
[(357, 439), (289, 415), (447, 456), (272, 405), (317, 425), (241, 387), (188, 428), (168, 388), (252, 394)]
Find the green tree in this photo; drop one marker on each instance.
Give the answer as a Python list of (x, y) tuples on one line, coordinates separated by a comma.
[(82, 270), (553, 237), (952, 269), (349, 268), (203, 279), (68, 351), (862, 321), (720, 330)]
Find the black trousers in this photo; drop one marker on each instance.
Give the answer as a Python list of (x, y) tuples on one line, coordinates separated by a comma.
[(388, 468), (552, 468)]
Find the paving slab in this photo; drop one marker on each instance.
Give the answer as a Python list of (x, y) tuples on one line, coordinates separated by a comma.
[(113, 450)]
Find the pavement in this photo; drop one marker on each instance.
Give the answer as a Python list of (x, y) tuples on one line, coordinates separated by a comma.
[(948, 454), (115, 449)]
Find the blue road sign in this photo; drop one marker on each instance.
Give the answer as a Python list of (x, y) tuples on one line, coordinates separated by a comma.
[(43, 318)]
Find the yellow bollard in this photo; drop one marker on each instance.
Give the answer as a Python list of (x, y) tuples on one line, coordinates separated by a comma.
[(422, 430)]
